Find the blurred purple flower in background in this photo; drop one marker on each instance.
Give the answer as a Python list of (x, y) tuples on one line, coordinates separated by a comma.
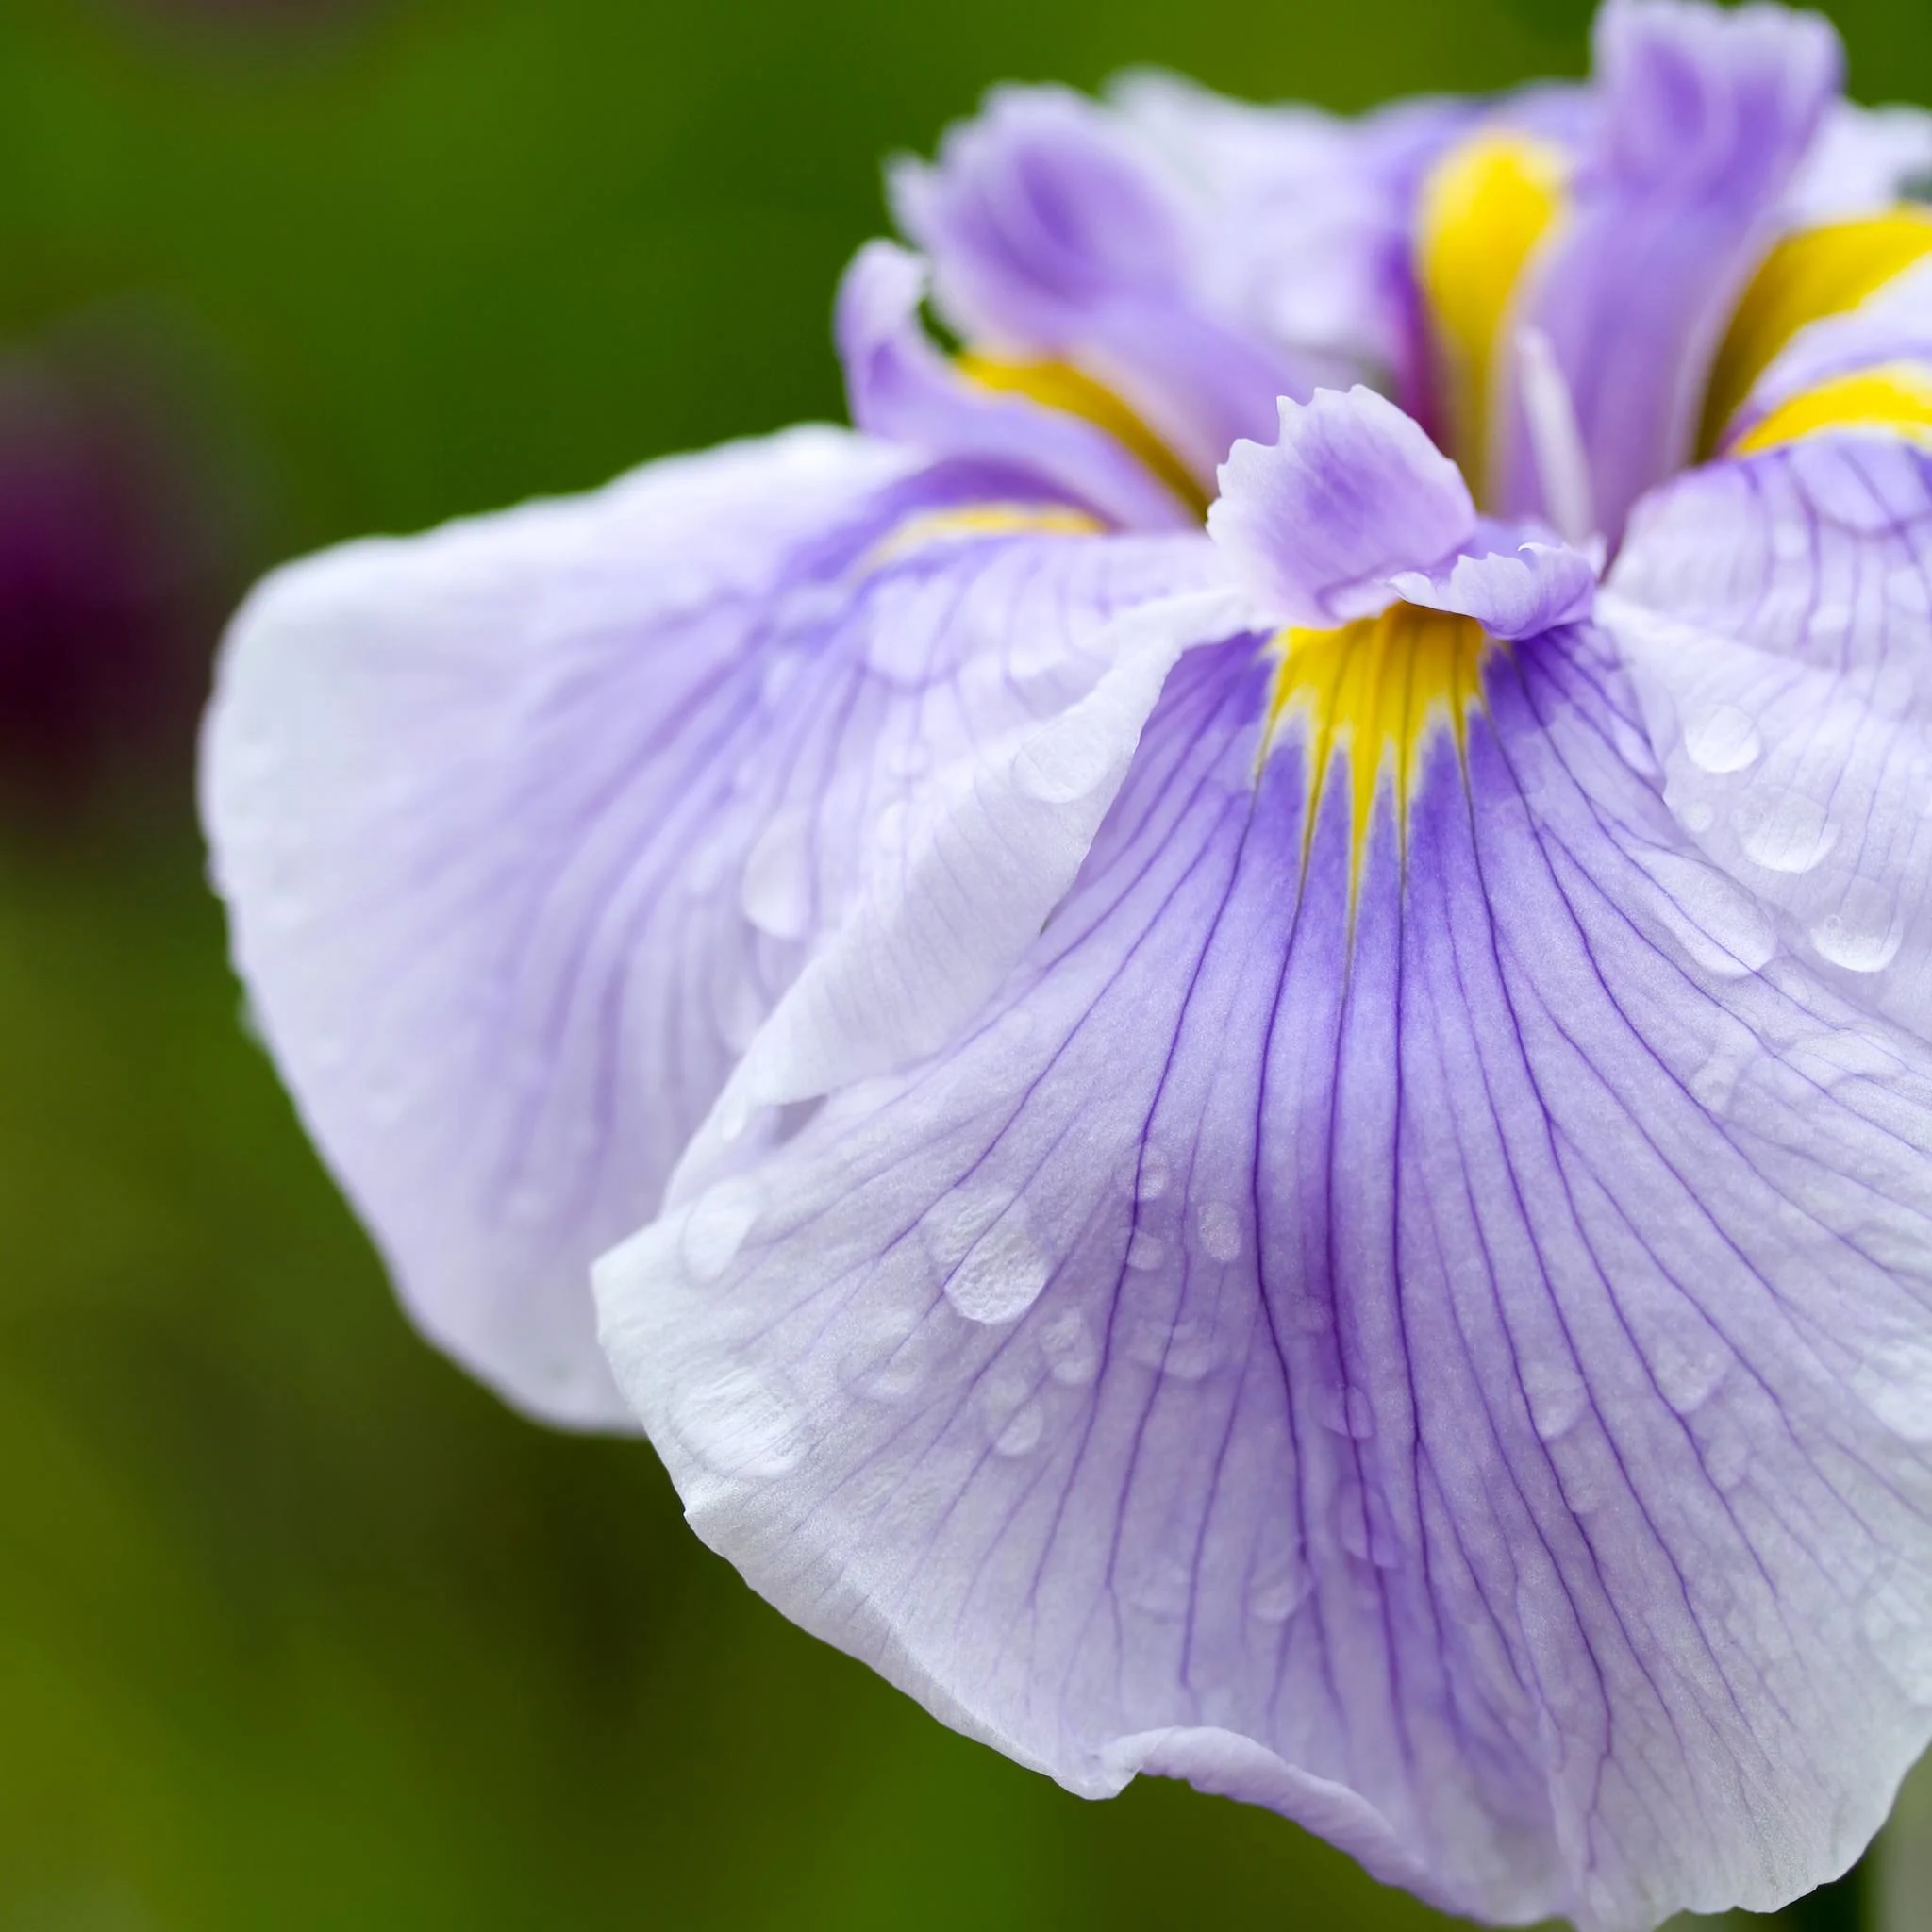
[(117, 546), (1244, 1118)]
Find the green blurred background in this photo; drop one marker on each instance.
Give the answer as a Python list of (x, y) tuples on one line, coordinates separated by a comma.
[(297, 1628)]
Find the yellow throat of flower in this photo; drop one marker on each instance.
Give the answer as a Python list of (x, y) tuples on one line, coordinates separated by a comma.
[(1807, 276), (1370, 696), (1486, 207)]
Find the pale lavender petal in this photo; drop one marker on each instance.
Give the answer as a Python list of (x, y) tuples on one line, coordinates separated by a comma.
[(1352, 494), (1054, 233), (1304, 221), (1863, 161), (1444, 1352), (1518, 587), (900, 387), (525, 825), (1705, 116), (1777, 616), (1893, 325)]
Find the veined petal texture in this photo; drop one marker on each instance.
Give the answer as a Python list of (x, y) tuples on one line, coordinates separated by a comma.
[(1428, 1331), (1776, 612), (525, 824), (1703, 117)]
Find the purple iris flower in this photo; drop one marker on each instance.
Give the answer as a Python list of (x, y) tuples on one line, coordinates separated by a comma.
[(1242, 1118)]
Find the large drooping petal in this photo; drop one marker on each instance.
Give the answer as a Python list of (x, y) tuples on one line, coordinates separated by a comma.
[(1054, 234), (1704, 116), (1777, 615), (527, 823), (1424, 1325)]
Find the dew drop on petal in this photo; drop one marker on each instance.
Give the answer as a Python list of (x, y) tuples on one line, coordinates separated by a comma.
[(1688, 1367), (1721, 926), (1278, 1590), (1725, 739), (1864, 933), (995, 1268), (1786, 832), (717, 1224), (1556, 1397), (1145, 1251), (776, 892), (1895, 1383), (740, 1423), (1022, 1432), (1186, 1350), (1072, 1349), (1220, 1223)]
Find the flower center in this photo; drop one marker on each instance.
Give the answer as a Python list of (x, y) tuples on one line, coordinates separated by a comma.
[(1370, 695)]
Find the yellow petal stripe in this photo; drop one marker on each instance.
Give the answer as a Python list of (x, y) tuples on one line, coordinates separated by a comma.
[(981, 520), (1371, 694), (1485, 206), (1060, 386), (1893, 400), (1808, 276)]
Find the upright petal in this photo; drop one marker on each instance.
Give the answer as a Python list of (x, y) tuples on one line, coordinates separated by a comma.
[(1427, 1333), (1055, 234), (1777, 615), (1703, 117), (1302, 219), (527, 823), (902, 390)]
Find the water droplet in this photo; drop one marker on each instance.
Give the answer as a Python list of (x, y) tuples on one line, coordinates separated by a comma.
[(1864, 933), (1895, 1383), (1714, 1084), (1163, 1588), (995, 1268), (1688, 1367), (1725, 739), (775, 891), (1787, 831), (1557, 1396), (1021, 1433), (1186, 1350), (717, 1224), (741, 1423), (1072, 1349), (1721, 926), (1280, 1590), (1145, 1251), (1151, 1173), (1220, 1223)]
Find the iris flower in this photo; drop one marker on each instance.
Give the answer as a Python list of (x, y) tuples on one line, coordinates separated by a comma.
[(1241, 1001)]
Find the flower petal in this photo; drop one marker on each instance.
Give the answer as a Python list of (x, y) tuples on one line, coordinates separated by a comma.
[(902, 390), (1053, 232), (527, 823), (1353, 493), (1303, 220), (1355, 507), (1706, 116), (1451, 1362), (1777, 615)]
